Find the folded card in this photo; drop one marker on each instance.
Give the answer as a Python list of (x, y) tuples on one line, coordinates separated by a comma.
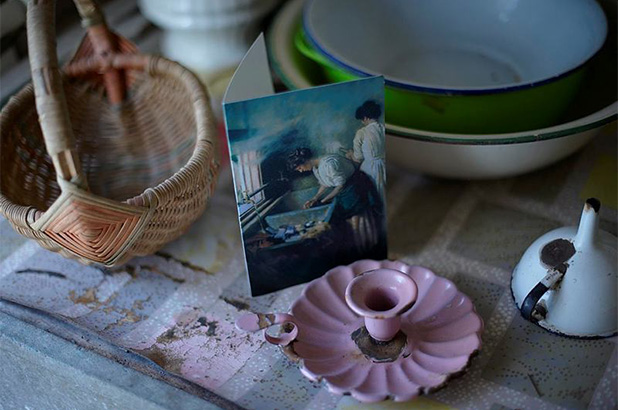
[(309, 173)]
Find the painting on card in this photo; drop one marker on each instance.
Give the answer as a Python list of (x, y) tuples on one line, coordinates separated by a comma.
[(310, 177)]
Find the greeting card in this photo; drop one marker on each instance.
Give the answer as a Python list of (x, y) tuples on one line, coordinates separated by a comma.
[(309, 173)]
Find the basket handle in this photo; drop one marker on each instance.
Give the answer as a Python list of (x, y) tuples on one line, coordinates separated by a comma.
[(49, 93), (47, 80), (89, 12), (104, 44)]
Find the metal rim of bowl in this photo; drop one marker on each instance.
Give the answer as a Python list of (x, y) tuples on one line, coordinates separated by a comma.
[(605, 115), (310, 36)]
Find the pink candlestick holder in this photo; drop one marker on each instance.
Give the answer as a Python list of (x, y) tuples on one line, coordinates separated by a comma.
[(376, 330)]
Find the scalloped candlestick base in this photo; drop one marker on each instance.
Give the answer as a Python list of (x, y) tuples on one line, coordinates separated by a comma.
[(438, 335)]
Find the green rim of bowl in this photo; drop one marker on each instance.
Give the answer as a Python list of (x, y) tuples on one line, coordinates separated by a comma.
[(515, 138), (607, 114)]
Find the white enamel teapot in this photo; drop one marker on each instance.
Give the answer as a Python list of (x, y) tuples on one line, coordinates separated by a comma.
[(566, 280)]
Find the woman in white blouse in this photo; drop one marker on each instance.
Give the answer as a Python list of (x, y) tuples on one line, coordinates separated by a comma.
[(369, 144), (357, 200)]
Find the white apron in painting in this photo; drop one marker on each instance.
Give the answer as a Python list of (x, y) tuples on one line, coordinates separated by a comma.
[(369, 151)]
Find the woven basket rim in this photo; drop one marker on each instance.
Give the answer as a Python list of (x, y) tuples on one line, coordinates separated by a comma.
[(154, 65)]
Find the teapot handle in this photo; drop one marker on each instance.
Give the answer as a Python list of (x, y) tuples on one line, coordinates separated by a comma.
[(252, 322), (529, 305)]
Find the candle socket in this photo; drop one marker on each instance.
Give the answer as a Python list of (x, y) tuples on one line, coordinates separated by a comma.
[(381, 296)]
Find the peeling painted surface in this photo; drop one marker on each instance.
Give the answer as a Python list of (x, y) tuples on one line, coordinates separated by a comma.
[(556, 253), (42, 272), (238, 304), (379, 352), (178, 307)]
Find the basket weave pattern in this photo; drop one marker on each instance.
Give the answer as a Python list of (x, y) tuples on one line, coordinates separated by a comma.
[(146, 166)]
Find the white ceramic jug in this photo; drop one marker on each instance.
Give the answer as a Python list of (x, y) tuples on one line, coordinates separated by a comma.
[(566, 280), (207, 35)]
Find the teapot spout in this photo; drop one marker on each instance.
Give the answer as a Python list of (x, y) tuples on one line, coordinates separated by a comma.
[(588, 224)]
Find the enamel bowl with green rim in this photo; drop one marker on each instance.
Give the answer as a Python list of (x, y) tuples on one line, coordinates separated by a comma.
[(470, 156), (474, 66)]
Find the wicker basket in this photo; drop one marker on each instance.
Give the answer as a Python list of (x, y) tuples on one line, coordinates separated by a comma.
[(120, 159)]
